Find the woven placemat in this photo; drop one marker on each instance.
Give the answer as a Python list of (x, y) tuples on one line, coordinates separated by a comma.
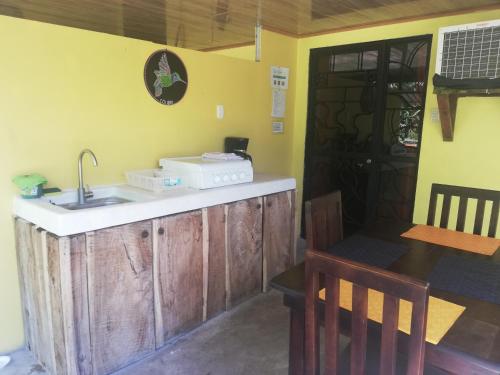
[(368, 250), (475, 278), (450, 238), (440, 317)]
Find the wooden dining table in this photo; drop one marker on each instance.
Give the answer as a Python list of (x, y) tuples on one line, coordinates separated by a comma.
[(471, 345)]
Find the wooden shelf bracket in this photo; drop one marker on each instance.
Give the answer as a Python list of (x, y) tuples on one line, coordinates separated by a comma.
[(447, 99), (447, 105)]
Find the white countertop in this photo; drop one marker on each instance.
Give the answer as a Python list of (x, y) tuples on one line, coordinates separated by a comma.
[(145, 205)]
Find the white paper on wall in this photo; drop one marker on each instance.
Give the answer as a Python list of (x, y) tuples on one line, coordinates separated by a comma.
[(279, 103)]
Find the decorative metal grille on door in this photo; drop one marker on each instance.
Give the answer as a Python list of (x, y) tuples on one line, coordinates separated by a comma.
[(366, 105)]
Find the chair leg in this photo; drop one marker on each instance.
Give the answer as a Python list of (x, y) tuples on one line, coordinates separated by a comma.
[(296, 349)]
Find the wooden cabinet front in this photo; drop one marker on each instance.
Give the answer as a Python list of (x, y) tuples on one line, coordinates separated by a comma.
[(52, 274), (67, 275), (120, 295), (278, 234), (243, 250), (214, 260), (32, 255), (97, 301), (178, 274)]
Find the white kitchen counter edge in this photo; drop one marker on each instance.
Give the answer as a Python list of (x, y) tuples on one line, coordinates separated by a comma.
[(64, 222)]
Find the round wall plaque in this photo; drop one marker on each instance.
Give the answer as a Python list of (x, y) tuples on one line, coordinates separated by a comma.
[(165, 77)]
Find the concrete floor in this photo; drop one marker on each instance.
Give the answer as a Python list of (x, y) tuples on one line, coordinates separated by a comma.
[(251, 339), (22, 363)]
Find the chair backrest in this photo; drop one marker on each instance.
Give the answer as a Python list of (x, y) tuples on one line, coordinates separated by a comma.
[(464, 193), (394, 287), (324, 221)]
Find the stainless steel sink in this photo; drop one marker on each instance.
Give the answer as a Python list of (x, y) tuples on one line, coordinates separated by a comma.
[(92, 203)]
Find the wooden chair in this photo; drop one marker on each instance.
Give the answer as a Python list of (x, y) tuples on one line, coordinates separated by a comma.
[(324, 221), (394, 287), (464, 193)]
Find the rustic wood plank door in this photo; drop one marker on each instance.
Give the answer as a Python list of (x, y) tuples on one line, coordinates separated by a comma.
[(23, 245), (120, 288), (67, 274), (53, 278), (279, 235), (31, 250), (243, 250), (214, 263), (178, 274)]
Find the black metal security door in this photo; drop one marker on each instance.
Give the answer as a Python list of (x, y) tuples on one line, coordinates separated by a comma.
[(366, 107)]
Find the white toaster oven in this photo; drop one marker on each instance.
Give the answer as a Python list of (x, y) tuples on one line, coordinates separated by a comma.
[(200, 173)]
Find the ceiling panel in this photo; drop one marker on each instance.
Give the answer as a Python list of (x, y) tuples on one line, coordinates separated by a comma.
[(206, 24)]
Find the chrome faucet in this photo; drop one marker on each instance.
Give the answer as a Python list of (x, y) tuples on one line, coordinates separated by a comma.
[(82, 194)]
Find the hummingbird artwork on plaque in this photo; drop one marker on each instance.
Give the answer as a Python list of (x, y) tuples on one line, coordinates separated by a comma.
[(165, 77)]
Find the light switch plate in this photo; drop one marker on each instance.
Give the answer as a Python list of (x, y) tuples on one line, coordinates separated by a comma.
[(220, 111)]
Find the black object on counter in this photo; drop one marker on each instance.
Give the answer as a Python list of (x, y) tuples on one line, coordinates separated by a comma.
[(51, 190), (238, 146)]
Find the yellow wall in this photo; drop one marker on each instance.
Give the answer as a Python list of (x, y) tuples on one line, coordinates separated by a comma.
[(281, 51), (64, 89), (470, 160)]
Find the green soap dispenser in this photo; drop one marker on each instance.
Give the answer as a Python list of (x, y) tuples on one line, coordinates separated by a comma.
[(31, 185)]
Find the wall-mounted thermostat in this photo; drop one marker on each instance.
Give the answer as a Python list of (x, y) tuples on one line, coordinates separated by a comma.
[(277, 127), (279, 77)]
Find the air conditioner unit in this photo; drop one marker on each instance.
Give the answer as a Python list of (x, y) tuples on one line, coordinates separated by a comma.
[(469, 51)]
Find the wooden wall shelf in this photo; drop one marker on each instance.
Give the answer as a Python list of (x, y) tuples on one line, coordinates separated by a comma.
[(447, 103)]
